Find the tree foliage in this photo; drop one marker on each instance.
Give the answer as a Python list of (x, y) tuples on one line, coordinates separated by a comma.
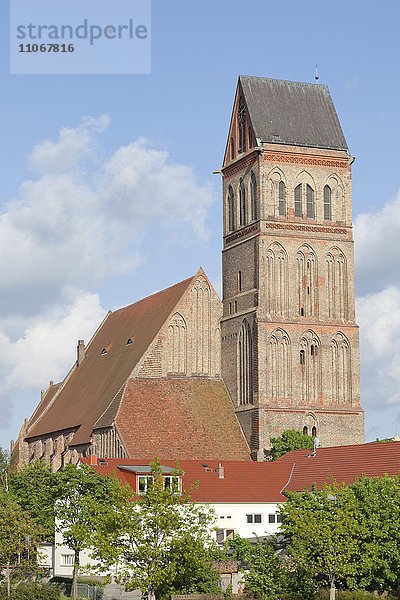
[(36, 489), (87, 503), (290, 440), (18, 539), (347, 536), (265, 575), (161, 543), (320, 529)]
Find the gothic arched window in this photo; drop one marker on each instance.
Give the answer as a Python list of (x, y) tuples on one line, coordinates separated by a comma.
[(245, 364), (311, 368), (327, 203), (254, 199), (279, 370), (307, 278), (337, 285), (277, 280), (298, 208), (341, 369), (242, 125), (231, 209), (282, 198), (242, 203), (310, 202)]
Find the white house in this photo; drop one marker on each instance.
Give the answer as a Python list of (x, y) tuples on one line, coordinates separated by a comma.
[(244, 495)]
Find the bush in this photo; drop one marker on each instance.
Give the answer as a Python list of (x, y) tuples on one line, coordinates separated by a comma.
[(32, 591), (348, 595)]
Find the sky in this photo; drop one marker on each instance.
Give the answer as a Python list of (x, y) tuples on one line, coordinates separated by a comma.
[(108, 194)]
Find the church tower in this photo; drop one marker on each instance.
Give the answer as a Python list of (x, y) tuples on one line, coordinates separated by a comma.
[(290, 349)]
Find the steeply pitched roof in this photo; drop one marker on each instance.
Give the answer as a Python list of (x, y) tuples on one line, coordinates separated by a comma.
[(289, 112), (88, 390), (342, 464), (184, 418), (244, 481)]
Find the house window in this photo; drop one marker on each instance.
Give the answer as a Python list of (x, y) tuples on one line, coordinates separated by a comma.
[(67, 560), (302, 357), (253, 518), (314, 431), (239, 281), (305, 430), (282, 199), (144, 483), (327, 203), (232, 148), (278, 518), (310, 202), (172, 483), (298, 212), (272, 518), (224, 534)]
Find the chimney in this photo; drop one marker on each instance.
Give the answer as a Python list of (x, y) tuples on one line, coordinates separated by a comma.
[(220, 471), (80, 352), (93, 460)]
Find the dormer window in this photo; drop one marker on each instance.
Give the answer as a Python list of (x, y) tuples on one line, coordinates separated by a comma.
[(171, 483), (144, 483), (129, 341)]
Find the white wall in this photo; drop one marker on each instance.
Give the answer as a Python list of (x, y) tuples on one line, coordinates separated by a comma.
[(228, 516)]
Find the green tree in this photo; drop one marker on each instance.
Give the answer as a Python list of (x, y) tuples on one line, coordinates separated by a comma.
[(161, 543), (36, 489), (290, 440), (321, 533), (265, 575), (4, 468), (87, 504), (378, 534), (18, 539)]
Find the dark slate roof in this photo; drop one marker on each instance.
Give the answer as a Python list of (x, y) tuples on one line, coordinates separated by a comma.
[(289, 112)]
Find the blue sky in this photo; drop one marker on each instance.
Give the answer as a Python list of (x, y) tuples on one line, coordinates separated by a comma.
[(75, 243)]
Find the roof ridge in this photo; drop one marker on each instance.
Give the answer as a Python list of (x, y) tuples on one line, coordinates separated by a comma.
[(319, 85), (155, 294)]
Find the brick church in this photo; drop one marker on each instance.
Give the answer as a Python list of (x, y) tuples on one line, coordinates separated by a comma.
[(182, 375)]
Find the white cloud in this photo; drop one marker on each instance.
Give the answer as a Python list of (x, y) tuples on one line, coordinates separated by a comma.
[(45, 348), (377, 246), (73, 145), (73, 226), (379, 320)]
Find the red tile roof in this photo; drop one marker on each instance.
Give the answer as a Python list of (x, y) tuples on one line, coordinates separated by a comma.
[(243, 481), (267, 481), (88, 390), (342, 464), (180, 418)]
